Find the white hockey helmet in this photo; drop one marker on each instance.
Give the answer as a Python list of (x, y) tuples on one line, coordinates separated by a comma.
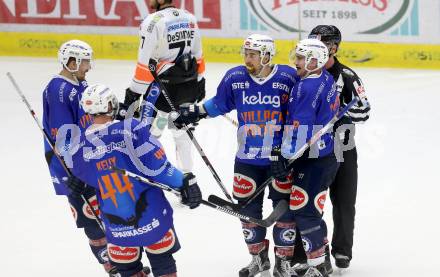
[(74, 49), (262, 43), (312, 49), (96, 99)]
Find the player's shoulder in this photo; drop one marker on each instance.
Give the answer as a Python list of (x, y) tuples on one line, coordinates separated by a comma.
[(327, 76), (236, 73), (152, 20), (63, 88), (286, 71), (314, 81)]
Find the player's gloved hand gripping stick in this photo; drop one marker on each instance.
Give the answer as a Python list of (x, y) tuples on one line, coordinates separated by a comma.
[(163, 90), (299, 153)]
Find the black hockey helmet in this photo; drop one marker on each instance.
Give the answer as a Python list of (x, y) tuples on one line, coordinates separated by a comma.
[(327, 34)]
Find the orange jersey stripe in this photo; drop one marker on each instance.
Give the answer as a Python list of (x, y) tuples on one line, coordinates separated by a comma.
[(143, 74), (201, 66)]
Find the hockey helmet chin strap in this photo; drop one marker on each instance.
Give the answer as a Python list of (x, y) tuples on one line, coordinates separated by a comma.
[(269, 63)]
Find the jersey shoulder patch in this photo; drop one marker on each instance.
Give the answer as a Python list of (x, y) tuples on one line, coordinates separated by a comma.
[(236, 72), (152, 20)]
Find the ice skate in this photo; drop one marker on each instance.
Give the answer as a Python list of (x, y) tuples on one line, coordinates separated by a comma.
[(260, 264)]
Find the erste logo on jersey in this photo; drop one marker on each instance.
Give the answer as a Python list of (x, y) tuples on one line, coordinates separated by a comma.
[(244, 186)]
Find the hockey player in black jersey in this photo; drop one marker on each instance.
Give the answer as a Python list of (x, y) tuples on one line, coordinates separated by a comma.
[(343, 190)]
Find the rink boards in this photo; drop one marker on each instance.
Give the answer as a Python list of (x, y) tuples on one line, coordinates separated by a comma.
[(223, 49)]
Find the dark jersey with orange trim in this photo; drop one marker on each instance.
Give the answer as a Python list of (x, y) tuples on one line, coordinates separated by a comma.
[(165, 36)]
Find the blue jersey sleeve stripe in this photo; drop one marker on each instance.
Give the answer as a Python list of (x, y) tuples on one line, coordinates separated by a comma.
[(211, 108)]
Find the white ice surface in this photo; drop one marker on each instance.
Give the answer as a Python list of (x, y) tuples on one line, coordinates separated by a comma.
[(397, 219)]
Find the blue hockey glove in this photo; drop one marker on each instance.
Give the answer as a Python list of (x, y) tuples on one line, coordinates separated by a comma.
[(278, 165), (190, 191)]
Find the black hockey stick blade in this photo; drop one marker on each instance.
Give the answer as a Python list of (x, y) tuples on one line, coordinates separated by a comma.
[(227, 207), (281, 208), (222, 202)]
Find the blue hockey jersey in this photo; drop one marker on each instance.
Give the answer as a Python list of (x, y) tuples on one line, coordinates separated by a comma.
[(134, 213), (261, 108), (61, 106), (312, 104)]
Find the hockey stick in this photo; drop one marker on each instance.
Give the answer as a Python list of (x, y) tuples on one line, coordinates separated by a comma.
[(46, 136), (279, 210), (232, 121), (299, 153), (152, 69)]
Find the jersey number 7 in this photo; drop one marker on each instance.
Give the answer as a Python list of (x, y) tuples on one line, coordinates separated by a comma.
[(181, 45)]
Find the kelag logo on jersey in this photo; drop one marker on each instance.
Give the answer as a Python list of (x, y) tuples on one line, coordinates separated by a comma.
[(260, 99), (356, 16)]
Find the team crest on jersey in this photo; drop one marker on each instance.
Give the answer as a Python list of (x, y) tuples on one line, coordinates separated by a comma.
[(288, 235), (87, 210), (298, 198), (283, 187), (244, 186), (123, 255), (320, 201), (103, 255), (249, 234), (307, 244), (162, 246)]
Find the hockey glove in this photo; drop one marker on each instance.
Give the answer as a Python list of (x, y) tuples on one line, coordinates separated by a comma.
[(278, 165), (190, 191), (189, 114), (130, 98), (76, 186)]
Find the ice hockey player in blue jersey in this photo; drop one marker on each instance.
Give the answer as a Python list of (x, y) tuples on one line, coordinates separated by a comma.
[(259, 91), (313, 102), (60, 108), (135, 214)]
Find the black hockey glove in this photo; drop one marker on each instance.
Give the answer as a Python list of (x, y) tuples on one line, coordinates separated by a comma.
[(130, 98), (190, 191), (278, 165), (76, 186), (189, 114)]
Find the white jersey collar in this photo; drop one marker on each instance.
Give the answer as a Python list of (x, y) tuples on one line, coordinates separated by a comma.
[(261, 81), (75, 83)]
